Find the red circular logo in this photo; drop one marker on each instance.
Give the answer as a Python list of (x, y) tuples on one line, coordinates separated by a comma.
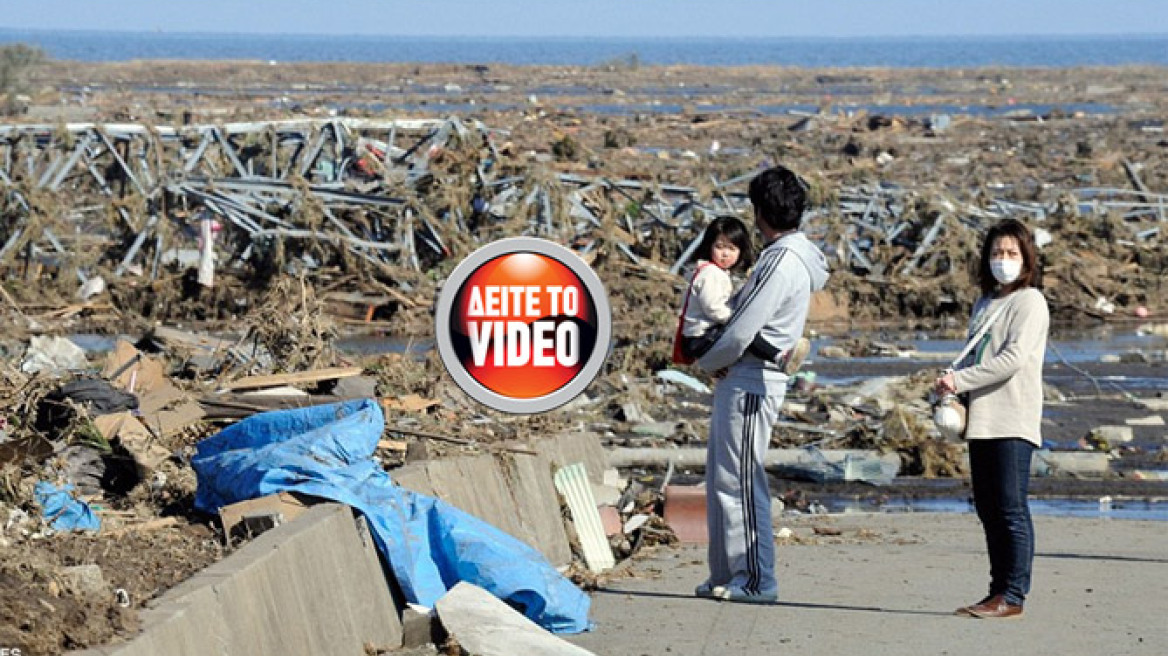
[(523, 325)]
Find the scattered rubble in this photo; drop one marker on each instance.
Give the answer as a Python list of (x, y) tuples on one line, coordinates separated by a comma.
[(239, 247)]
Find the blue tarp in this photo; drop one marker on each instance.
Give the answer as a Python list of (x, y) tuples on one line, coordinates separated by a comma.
[(326, 451), (63, 511)]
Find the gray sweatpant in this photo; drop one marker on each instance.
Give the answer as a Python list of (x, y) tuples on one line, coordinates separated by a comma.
[(738, 500)]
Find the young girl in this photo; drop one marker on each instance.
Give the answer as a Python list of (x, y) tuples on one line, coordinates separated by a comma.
[(725, 246)]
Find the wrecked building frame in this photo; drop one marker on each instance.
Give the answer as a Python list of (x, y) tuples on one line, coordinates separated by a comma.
[(127, 198)]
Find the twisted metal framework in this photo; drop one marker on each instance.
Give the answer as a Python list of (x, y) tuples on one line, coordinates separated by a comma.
[(64, 182), (122, 197)]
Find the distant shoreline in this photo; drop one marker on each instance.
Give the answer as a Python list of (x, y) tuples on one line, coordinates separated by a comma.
[(801, 52)]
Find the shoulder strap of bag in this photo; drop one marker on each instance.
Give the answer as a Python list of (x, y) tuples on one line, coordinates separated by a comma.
[(689, 288), (972, 343)]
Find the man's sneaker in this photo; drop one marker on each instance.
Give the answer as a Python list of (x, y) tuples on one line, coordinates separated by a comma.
[(793, 359), (738, 595), (706, 590)]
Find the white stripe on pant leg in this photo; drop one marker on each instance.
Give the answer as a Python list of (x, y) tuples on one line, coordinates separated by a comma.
[(764, 528), (744, 487), (748, 448), (757, 422), (746, 474)]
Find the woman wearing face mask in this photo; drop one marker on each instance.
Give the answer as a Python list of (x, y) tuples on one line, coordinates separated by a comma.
[(1002, 377)]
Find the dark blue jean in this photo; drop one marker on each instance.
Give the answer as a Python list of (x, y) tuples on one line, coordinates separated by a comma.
[(1000, 472)]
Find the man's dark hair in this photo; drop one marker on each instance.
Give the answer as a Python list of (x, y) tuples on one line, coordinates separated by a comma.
[(1031, 275), (779, 198)]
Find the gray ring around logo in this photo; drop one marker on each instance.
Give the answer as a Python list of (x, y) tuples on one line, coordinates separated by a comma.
[(564, 256)]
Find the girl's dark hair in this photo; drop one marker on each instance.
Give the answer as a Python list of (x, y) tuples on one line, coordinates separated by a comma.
[(734, 230), (1031, 275)]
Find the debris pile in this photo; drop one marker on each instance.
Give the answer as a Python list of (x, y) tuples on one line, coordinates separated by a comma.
[(289, 231), (197, 221)]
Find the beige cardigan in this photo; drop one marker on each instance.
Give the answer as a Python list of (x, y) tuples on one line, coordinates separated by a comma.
[(1005, 386)]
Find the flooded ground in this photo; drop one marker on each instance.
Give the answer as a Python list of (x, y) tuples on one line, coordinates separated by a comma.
[(1151, 509)]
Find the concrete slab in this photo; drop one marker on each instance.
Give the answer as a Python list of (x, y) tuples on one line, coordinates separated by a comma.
[(414, 478), (475, 484), (485, 626), (512, 492), (537, 506), (312, 586), (568, 448)]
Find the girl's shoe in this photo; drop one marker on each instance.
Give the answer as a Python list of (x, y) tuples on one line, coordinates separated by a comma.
[(793, 359)]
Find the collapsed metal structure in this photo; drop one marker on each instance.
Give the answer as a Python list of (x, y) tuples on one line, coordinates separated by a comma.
[(123, 196), (400, 195)]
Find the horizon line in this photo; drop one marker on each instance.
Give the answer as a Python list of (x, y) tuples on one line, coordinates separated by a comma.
[(737, 37)]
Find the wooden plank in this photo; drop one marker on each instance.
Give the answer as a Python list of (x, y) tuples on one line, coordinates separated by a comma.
[(315, 376), (151, 525), (191, 339)]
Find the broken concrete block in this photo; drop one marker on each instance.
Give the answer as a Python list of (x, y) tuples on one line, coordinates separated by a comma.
[(1154, 404), (605, 495), (1113, 434), (632, 413), (1151, 420), (880, 390), (420, 626), (567, 448), (84, 580), (834, 352), (483, 625), (1074, 463), (656, 428), (356, 387)]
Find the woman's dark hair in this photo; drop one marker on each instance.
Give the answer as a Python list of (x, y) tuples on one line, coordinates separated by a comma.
[(779, 198), (734, 230), (1031, 275)]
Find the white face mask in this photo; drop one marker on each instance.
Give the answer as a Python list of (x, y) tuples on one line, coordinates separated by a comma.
[(1006, 271)]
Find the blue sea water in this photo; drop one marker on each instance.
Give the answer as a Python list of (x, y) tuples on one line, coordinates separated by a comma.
[(897, 52)]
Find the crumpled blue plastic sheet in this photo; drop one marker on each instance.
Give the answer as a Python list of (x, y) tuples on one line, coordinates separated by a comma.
[(63, 512), (326, 451)]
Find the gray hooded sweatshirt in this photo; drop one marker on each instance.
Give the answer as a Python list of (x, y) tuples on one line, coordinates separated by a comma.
[(773, 302)]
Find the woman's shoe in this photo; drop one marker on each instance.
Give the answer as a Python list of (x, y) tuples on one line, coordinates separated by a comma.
[(994, 607)]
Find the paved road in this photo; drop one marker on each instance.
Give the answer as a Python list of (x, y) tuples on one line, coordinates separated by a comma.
[(888, 585)]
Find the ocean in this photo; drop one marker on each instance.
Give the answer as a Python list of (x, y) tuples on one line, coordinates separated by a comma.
[(895, 52)]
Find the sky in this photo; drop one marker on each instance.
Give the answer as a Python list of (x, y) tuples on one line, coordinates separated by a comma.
[(611, 18)]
